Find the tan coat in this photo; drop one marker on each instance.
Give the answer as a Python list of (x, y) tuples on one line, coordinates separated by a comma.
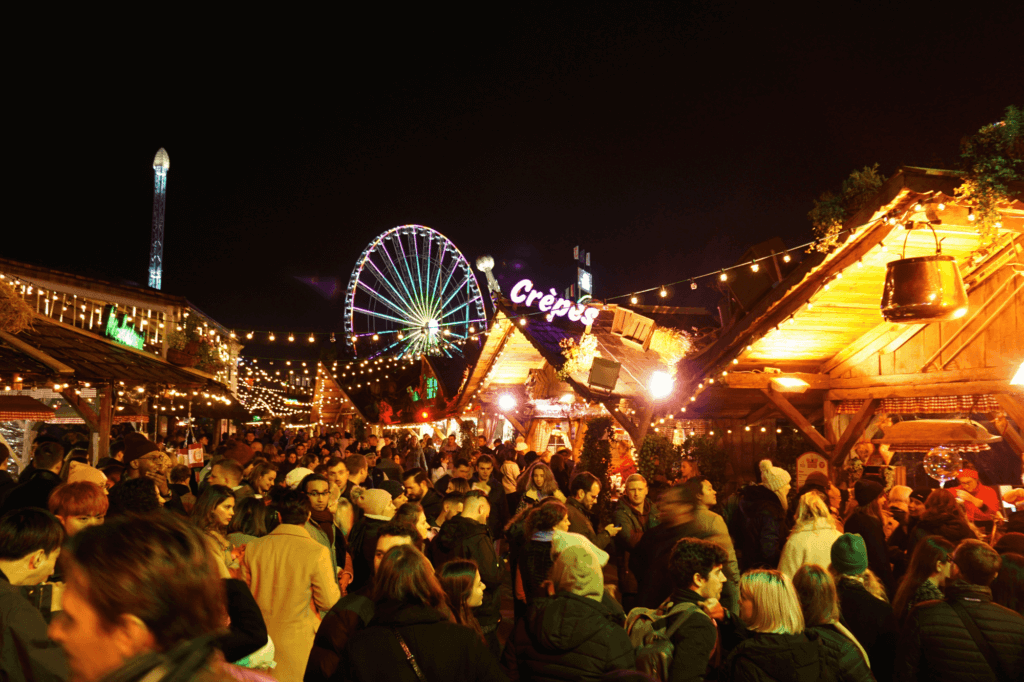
[(291, 577)]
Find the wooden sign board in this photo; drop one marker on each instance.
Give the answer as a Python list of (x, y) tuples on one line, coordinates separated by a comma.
[(807, 464)]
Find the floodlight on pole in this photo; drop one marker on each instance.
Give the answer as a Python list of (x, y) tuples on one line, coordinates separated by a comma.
[(506, 403), (660, 385)]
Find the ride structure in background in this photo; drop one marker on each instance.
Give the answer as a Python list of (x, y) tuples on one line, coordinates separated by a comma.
[(411, 293)]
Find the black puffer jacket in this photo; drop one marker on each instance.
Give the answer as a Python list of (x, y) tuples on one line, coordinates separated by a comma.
[(443, 650), (870, 528), (872, 622), (764, 533), (936, 645), (462, 538), (841, 660), (568, 637), (774, 658), (535, 564)]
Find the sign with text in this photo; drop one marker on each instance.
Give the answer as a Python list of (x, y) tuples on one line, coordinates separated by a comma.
[(121, 331), (550, 303), (807, 464)]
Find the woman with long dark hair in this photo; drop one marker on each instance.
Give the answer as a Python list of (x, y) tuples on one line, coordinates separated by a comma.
[(262, 478), (819, 602), (535, 560), (253, 519), (212, 513), (942, 516), (536, 483), (413, 634), (412, 513), (460, 579), (930, 567), (867, 520)]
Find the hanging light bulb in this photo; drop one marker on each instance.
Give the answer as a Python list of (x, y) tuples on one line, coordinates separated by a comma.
[(693, 285), (249, 335), (633, 299), (272, 337), (786, 258), (663, 293), (291, 337), (754, 266), (723, 276)]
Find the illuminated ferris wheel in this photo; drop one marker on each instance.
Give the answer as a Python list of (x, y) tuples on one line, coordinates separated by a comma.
[(412, 292)]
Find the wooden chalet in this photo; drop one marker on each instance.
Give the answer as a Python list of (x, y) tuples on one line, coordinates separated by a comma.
[(815, 352)]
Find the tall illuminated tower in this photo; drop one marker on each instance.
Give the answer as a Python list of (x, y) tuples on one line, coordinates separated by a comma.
[(161, 164)]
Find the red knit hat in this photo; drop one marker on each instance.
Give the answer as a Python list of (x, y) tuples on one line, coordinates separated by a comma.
[(968, 473)]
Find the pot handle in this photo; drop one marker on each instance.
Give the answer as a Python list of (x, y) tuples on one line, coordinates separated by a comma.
[(938, 244)]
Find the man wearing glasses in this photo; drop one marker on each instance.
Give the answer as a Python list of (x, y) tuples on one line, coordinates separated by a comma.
[(321, 521)]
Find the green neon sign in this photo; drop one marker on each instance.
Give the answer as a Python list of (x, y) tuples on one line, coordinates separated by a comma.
[(122, 332)]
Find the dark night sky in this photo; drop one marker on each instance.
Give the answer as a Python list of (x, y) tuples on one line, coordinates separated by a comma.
[(665, 139)]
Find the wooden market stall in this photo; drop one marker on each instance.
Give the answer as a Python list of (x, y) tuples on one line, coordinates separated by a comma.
[(816, 353)]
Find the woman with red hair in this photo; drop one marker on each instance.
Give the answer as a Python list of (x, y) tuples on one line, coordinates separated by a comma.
[(78, 505)]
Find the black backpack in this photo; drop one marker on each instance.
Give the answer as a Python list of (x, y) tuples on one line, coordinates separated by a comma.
[(651, 630)]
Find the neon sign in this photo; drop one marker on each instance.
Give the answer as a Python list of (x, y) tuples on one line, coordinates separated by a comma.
[(550, 303), (122, 332)]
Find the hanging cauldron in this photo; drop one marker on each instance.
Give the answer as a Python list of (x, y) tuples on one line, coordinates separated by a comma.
[(924, 289)]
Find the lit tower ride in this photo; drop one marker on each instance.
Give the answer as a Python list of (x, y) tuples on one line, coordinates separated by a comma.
[(161, 164)]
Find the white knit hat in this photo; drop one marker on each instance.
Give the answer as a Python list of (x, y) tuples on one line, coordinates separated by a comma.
[(295, 476), (774, 478)]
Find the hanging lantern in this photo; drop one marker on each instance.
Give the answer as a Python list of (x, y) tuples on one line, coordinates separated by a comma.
[(924, 289)]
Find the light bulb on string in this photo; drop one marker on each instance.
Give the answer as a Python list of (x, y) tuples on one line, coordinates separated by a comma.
[(662, 292), (693, 285), (754, 266), (633, 300), (271, 337), (723, 276)]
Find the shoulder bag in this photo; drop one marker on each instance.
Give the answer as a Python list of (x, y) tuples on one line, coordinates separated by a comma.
[(408, 655)]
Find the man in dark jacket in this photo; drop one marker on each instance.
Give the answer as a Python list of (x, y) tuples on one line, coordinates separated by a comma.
[(466, 537), (37, 484), (484, 477), (575, 635), (636, 515), (30, 542), (583, 495), (352, 612), (965, 636), (418, 489)]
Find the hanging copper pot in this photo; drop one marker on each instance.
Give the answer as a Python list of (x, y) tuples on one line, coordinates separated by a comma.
[(924, 289)]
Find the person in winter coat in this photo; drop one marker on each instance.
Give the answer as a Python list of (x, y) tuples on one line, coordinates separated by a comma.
[(379, 508), (466, 537), (704, 524), (867, 521), (942, 516), (636, 515), (412, 612), (764, 513), (30, 542), (484, 479), (38, 481), (779, 649), (863, 604), (929, 570), (534, 560), (577, 633), (937, 643), (812, 537), (697, 579), (844, 659), (584, 492)]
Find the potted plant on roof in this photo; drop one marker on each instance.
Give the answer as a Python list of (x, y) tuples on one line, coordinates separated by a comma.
[(183, 344)]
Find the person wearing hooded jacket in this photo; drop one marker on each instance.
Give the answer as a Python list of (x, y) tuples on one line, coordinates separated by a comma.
[(779, 649), (575, 634), (936, 644), (466, 537), (764, 511)]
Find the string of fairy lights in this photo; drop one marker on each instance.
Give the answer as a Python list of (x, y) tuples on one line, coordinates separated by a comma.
[(277, 394)]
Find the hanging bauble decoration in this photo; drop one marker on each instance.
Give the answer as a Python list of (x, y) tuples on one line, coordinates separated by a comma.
[(942, 463), (924, 289)]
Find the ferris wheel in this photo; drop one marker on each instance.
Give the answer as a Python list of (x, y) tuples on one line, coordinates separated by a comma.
[(412, 292)]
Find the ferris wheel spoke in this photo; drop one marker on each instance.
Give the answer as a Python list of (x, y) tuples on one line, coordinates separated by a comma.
[(455, 292), (373, 313), (419, 273), (393, 306), (413, 311), (401, 280), (405, 262)]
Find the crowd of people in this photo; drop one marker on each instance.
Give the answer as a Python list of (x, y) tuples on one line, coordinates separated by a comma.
[(309, 555)]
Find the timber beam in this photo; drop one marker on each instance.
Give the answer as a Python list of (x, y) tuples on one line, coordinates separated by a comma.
[(923, 390), (800, 421), (83, 408), (857, 425), (762, 380)]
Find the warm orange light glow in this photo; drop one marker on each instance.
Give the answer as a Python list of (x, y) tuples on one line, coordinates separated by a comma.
[(789, 385), (1018, 378)]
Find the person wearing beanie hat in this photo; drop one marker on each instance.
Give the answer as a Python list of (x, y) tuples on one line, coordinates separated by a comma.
[(817, 480), (762, 526), (397, 492), (899, 497), (868, 520), (866, 610), (981, 503), (295, 476), (578, 631)]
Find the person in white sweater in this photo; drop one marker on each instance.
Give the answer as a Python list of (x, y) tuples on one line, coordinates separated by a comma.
[(811, 540)]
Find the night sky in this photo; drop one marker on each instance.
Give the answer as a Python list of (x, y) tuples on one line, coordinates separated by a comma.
[(664, 139)]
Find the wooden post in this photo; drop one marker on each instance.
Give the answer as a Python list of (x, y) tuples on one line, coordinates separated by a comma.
[(105, 422), (831, 432), (857, 424)]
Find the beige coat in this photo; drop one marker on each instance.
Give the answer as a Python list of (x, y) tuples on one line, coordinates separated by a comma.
[(291, 578)]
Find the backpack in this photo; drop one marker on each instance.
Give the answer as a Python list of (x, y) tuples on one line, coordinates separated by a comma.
[(651, 630)]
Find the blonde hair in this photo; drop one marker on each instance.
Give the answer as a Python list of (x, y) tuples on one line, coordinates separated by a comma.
[(868, 579), (813, 512), (776, 607)]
